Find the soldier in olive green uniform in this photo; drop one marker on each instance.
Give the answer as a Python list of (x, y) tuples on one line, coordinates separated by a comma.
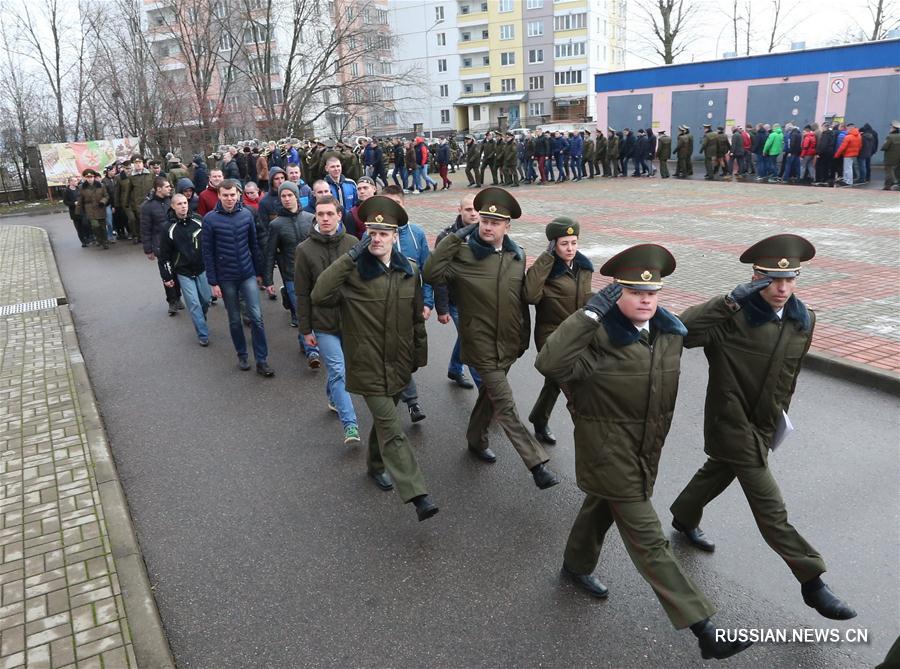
[(558, 284), (663, 153), (140, 183), (682, 152), (589, 156), (488, 153), (755, 339), (710, 150), (92, 201), (600, 155), (379, 291), (612, 152), (485, 272), (510, 161), (723, 146), (473, 162), (891, 148), (619, 358)]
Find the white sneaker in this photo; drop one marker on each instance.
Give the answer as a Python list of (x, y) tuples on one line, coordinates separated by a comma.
[(331, 406)]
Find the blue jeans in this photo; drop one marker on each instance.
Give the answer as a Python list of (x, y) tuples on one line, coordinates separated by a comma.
[(109, 222), (865, 169), (248, 290), (417, 178), (561, 173), (292, 296), (333, 356), (575, 166), (792, 169), (456, 365), (196, 294), (427, 178), (401, 171)]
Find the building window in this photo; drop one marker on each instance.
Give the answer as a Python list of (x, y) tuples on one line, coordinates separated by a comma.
[(468, 88), (476, 113), (568, 78), (485, 60), (466, 37), (506, 5), (439, 13), (385, 67), (442, 64), (535, 108), (570, 50), (485, 34), (467, 62), (445, 116), (225, 42), (535, 56), (370, 69), (360, 124), (535, 28), (536, 83), (387, 92), (534, 4), (445, 90), (487, 87), (508, 58), (570, 21), (507, 85), (256, 33), (442, 39), (507, 31)]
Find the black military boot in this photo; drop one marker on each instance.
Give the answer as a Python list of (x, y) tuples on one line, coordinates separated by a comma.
[(543, 434), (425, 508), (415, 413), (819, 596), (587, 582), (695, 536), (710, 647), (543, 477)]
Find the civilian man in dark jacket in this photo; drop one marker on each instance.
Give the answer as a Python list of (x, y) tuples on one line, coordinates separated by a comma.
[(154, 218), (234, 267), (825, 157), (180, 261)]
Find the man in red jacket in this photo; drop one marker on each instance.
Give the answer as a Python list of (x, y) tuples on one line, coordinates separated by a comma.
[(808, 154), (210, 197), (849, 150)]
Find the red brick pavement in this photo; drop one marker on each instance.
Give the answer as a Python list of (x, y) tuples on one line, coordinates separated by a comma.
[(853, 283)]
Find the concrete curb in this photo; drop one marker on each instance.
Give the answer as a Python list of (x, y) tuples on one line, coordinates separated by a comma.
[(32, 214), (854, 372), (148, 637)]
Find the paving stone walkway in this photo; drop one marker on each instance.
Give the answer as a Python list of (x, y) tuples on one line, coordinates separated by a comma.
[(853, 283), (60, 599)]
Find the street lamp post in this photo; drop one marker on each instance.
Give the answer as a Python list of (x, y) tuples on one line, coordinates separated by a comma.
[(428, 76)]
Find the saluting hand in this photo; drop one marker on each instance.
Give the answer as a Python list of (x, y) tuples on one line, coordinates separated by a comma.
[(462, 233), (359, 248), (744, 290), (602, 301)]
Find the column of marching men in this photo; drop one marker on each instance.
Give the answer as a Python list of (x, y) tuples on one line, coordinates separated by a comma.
[(360, 282)]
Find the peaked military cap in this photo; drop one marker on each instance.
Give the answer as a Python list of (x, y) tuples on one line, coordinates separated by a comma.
[(611, 129), (562, 226), (154, 162), (90, 172), (640, 267), (895, 124), (126, 162), (137, 156), (587, 132), (779, 256), (707, 125), (497, 203), (382, 213)]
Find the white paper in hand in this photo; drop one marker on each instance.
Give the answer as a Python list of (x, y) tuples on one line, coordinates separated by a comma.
[(785, 427)]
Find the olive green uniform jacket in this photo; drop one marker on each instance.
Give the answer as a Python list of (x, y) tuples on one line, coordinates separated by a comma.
[(891, 148), (557, 291), (710, 145), (487, 286), (723, 144), (623, 395), (382, 327), (92, 200), (510, 157), (473, 156), (612, 147), (488, 150), (589, 152), (754, 359), (137, 189), (683, 148), (664, 147)]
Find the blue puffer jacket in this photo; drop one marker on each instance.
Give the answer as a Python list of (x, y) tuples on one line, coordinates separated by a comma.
[(345, 192), (576, 146), (230, 248), (557, 144)]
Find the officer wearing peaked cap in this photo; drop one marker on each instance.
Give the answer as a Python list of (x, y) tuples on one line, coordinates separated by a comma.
[(485, 271), (755, 339), (558, 283), (379, 291), (619, 358)]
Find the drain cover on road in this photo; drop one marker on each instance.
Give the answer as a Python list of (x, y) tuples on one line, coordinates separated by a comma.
[(37, 305)]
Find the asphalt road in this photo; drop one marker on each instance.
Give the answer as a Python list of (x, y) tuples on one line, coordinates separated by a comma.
[(269, 547)]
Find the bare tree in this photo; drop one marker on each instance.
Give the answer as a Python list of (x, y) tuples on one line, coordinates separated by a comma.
[(884, 16), (748, 19), (782, 23), (669, 21)]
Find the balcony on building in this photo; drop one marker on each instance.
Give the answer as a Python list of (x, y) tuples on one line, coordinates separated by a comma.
[(473, 38), (474, 65), (470, 12)]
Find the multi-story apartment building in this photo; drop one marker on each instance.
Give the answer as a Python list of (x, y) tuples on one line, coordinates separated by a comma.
[(513, 63)]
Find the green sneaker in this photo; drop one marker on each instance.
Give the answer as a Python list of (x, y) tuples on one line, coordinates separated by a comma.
[(351, 434)]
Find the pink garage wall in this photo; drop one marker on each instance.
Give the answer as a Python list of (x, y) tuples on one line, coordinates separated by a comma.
[(831, 98)]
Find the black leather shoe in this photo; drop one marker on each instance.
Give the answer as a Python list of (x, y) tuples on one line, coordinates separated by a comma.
[(425, 508), (415, 413), (543, 477), (587, 582), (543, 434), (243, 364), (695, 536), (382, 480), (173, 309), (485, 455), (460, 380), (711, 648), (263, 369), (828, 604)]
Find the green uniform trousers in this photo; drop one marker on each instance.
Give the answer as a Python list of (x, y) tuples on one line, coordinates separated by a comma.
[(766, 504), (543, 406), (710, 162), (664, 169), (648, 549), (489, 165), (389, 448), (495, 401), (682, 167), (99, 228), (134, 222)]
